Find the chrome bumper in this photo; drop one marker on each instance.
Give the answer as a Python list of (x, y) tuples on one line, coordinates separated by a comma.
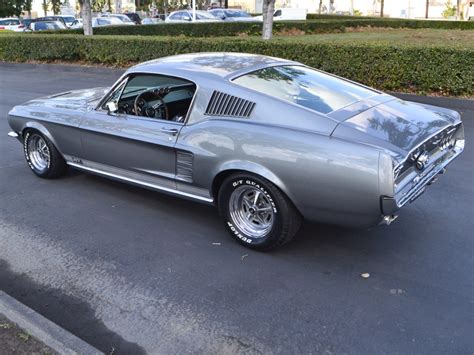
[(410, 193)]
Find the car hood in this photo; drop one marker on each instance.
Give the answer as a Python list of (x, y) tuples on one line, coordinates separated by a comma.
[(393, 124), (73, 100)]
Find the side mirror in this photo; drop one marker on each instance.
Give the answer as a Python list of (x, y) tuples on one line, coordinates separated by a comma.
[(111, 107)]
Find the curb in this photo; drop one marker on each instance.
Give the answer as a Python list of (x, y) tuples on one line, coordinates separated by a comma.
[(49, 333)]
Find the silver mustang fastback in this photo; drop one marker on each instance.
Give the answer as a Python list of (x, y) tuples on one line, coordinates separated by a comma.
[(269, 141)]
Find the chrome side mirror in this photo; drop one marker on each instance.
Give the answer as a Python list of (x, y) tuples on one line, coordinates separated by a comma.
[(111, 107)]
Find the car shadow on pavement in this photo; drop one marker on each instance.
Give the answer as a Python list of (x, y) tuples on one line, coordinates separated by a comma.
[(69, 312)]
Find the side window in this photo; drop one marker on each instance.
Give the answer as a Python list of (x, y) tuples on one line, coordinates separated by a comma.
[(154, 96), (177, 16)]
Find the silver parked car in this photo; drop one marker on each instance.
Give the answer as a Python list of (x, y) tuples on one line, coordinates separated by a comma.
[(269, 141)]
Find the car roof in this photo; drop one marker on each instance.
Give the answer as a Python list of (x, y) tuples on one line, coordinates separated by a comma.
[(215, 65)]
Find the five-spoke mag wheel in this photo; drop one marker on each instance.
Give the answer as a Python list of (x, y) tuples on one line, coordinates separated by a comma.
[(256, 212)]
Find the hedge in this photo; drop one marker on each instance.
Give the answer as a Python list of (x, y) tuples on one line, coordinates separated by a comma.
[(248, 28), (419, 69)]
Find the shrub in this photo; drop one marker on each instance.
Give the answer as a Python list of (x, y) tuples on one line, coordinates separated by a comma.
[(218, 29), (386, 67)]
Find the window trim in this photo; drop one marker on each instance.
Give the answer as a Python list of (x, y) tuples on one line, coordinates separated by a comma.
[(124, 80), (276, 65)]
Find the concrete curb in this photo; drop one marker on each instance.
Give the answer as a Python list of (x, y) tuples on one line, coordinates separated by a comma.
[(43, 329)]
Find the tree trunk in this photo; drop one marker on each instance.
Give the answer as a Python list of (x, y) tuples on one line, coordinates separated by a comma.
[(352, 8), (45, 7), (427, 8), (268, 10), (381, 8), (458, 9), (86, 13), (320, 8), (118, 6)]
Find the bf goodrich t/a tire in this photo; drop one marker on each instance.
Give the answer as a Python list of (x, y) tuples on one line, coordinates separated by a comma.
[(256, 213), (42, 157)]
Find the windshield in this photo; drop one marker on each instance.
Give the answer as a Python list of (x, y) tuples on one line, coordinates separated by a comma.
[(236, 14), (203, 15), (305, 87), (69, 18)]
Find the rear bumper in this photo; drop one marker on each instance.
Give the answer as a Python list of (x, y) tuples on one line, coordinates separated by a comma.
[(389, 205)]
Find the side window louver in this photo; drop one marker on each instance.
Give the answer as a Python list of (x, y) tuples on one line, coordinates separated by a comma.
[(222, 104)]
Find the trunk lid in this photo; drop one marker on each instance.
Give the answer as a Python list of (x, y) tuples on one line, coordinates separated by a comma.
[(390, 123)]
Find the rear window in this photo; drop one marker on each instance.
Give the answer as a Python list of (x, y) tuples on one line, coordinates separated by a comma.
[(305, 87)]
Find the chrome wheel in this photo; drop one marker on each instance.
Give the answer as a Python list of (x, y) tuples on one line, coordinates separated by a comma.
[(251, 211), (38, 152)]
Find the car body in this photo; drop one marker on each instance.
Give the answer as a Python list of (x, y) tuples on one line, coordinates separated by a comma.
[(233, 15), (69, 20), (287, 14), (312, 144), (46, 25), (134, 17), (151, 21), (58, 18), (109, 21), (187, 16), (124, 18), (11, 24)]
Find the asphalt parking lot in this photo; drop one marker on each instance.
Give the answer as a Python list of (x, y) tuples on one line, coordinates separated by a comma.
[(136, 271)]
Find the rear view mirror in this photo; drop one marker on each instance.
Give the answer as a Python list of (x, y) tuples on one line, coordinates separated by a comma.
[(111, 107)]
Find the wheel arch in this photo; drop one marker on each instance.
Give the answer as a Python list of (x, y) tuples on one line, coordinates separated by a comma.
[(36, 126), (232, 167)]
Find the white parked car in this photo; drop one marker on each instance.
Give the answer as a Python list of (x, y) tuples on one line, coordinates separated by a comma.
[(287, 14), (187, 16), (11, 24), (233, 15), (108, 21), (69, 20), (124, 18), (151, 21)]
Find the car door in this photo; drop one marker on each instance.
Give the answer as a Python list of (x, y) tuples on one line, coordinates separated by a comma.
[(130, 146)]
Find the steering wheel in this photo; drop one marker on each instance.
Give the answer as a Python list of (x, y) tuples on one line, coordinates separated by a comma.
[(141, 101)]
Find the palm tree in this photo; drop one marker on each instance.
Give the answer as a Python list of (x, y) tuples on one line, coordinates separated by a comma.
[(427, 8), (381, 7)]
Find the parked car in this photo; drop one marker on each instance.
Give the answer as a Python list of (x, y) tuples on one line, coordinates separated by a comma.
[(187, 16), (108, 21), (11, 24), (268, 141), (69, 20), (151, 21), (124, 18), (233, 15), (46, 25), (287, 14), (52, 18), (134, 17)]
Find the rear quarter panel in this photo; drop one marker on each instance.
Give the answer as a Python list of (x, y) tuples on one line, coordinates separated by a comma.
[(329, 180)]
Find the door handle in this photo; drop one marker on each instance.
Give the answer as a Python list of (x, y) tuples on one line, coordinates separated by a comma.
[(172, 131)]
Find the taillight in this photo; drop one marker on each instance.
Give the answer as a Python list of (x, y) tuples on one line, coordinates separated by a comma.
[(2, 27), (21, 26)]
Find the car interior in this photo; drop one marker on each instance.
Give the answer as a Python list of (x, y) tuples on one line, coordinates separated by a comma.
[(154, 96)]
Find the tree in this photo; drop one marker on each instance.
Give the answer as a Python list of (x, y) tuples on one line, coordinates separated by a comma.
[(56, 6), (45, 6), (11, 7), (381, 7), (320, 8), (427, 7), (86, 12), (268, 9)]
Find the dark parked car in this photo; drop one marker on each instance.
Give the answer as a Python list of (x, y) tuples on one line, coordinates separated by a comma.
[(134, 17)]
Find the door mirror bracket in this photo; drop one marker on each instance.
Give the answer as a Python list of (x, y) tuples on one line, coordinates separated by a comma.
[(111, 107)]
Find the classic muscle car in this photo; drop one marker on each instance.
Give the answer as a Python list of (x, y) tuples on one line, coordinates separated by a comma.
[(269, 141)]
